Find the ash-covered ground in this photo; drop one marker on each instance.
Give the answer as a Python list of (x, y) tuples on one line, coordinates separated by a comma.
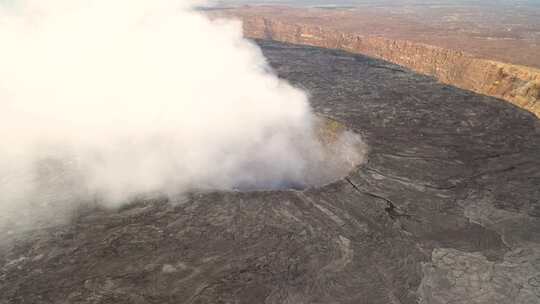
[(445, 210)]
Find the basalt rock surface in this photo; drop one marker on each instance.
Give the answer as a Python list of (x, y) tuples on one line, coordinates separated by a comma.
[(445, 210)]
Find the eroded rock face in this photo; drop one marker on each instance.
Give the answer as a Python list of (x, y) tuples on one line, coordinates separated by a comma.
[(518, 84), (445, 209)]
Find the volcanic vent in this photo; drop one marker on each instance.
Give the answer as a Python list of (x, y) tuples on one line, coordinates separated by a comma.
[(338, 151)]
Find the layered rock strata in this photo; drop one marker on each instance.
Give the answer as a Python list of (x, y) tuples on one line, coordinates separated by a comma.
[(519, 85)]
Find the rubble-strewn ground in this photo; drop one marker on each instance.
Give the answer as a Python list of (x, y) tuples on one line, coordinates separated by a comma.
[(445, 210)]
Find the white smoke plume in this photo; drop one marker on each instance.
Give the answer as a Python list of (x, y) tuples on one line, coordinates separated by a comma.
[(102, 100)]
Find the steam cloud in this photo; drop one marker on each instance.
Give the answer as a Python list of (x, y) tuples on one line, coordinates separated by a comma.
[(103, 100)]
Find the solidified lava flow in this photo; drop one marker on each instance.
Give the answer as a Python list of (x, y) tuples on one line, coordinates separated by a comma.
[(446, 209)]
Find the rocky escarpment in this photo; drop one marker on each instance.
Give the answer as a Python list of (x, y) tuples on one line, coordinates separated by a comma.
[(517, 84)]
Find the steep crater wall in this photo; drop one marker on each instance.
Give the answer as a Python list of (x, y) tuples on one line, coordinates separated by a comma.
[(519, 85)]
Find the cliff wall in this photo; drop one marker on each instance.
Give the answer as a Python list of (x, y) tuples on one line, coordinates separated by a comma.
[(519, 85)]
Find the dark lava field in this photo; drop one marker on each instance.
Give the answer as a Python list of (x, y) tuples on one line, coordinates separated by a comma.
[(446, 209)]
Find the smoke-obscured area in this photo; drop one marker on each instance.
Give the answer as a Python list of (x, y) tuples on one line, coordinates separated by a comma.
[(104, 100)]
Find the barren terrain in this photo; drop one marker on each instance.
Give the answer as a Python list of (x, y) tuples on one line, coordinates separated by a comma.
[(508, 33), (490, 51), (445, 210)]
